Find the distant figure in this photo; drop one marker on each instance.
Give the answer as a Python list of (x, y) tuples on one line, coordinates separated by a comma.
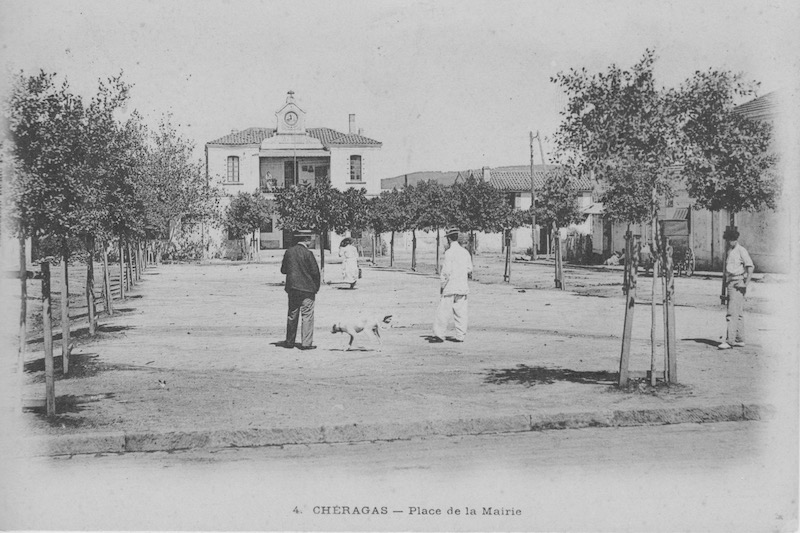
[(302, 285), (738, 270), (454, 289), (350, 264)]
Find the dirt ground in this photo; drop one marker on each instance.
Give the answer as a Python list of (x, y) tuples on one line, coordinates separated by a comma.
[(193, 346)]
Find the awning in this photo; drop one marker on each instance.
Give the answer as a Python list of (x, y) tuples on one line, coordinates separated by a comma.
[(294, 153), (596, 208), (674, 213)]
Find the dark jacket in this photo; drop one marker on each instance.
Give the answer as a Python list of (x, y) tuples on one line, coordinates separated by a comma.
[(300, 267)]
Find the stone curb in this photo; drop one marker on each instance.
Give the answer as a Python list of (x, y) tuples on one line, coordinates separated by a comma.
[(119, 442)]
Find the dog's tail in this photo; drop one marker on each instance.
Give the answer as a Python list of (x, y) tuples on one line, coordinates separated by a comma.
[(387, 319)]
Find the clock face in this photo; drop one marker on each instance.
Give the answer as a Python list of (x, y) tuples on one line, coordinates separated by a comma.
[(290, 118)]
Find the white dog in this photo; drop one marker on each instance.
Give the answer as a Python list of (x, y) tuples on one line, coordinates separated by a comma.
[(352, 328)]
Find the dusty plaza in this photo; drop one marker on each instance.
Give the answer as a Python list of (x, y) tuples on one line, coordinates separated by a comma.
[(194, 348)]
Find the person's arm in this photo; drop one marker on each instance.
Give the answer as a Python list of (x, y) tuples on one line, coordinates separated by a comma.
[(314, 269), (447, 269), (284, 270)]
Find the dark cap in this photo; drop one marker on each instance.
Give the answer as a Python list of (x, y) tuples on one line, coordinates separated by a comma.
[(302, 234), (451, 231), (730, 235)]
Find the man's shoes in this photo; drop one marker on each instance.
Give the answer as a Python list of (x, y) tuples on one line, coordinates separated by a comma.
[(434, 340), (457, 340), (724, 346), (286, 345), (739, 344), (307, 347)]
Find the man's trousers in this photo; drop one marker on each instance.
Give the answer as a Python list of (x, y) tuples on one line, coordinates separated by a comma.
[(735, 314), (301, 304), (454, 305)]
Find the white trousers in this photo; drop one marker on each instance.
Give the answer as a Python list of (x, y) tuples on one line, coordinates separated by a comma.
[(454, 305)]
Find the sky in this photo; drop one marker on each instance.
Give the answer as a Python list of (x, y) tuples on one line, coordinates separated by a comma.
[(443, 85)]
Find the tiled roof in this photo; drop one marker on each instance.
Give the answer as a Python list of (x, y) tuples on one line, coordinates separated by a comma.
[(248, 136), (518, 178), (326, 136), (353, 138), (760, 108)]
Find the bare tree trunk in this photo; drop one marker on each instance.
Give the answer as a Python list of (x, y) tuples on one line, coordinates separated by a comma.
[(374, 244), (413, 250), (438, 245), (47, 326), (123, 282), (629, 287), (90, 286), (129, 264), (107, 282), (23, 305), (656, 265), (322, 255), (65, 326), (391, 251)]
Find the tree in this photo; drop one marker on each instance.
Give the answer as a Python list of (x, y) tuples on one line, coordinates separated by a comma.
[(557, 207), (388, 214), (354, 215), (728, 163), (436, 202), (622, 129), (480, 207), (247, 214), (311, 207)]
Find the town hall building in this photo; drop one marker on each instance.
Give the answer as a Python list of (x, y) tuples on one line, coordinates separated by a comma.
[(269, 159)]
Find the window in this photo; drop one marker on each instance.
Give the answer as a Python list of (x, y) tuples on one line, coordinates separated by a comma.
[(355, 168), (267, 226), (233, 168)]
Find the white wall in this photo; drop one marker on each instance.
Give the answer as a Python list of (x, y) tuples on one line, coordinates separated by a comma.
[(340, 168)]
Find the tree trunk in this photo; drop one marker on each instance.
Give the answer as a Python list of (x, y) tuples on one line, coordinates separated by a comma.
[(322, 255), (65, 306), (47, 326), (23, 305), (629, 287), (724, 292), (555, 236), (438, 244), (123, 283), (670, 341), (391, 251), (656, 256), (129, 264), (413, 250), (507, 250), (107, 283), (90, 286), (374, 244)]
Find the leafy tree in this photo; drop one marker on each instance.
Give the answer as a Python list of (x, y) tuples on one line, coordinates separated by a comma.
[(621, 128), (728, 163), (247, 214), (354, 215), (311, 207), (437, 209), (557, 207), (480, 207), (388, 214)]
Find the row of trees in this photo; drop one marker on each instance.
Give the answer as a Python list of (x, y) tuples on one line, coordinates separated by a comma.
[(637, 140), (87, 171)]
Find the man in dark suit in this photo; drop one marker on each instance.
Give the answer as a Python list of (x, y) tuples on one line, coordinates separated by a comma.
[(302, 284)]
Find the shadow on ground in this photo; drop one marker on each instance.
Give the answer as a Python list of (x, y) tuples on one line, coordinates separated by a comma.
[(538, 375)]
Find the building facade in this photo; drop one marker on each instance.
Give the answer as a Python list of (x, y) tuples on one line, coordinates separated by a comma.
[(269, 159)]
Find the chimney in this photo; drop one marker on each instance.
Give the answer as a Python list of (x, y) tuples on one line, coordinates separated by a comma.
[(352, 123), (487, 173)]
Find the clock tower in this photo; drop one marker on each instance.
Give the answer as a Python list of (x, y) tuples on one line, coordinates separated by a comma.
[(291, 119)]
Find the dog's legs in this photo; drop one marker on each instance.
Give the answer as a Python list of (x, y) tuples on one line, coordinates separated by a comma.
[(350, 344), (377, 331)]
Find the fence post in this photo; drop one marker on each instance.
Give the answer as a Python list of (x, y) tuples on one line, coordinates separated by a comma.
[(107, 282), (47, 325), (65, 306)]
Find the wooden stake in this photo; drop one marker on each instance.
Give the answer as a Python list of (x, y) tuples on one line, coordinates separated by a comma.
[(65, 306), (391, 251), (90, 286), (671, 364), (107, 283), (23, 306), (122, 278), (47, 325), (629, 286)]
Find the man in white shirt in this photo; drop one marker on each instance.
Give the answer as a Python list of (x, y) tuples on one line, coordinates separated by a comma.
[(454, 289), (738, 270)]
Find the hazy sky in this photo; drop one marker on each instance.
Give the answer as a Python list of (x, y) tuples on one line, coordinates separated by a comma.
[(444, 85)]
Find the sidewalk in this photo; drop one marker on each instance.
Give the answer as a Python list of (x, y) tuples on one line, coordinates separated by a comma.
[(190, 361)]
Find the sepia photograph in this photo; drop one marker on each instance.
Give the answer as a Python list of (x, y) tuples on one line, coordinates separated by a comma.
[(408, 265)]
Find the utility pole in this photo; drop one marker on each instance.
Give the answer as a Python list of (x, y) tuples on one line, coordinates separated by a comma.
[(533, 206), (533, 193)]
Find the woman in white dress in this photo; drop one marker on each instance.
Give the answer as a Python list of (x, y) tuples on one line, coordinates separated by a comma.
[(350, 263)]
